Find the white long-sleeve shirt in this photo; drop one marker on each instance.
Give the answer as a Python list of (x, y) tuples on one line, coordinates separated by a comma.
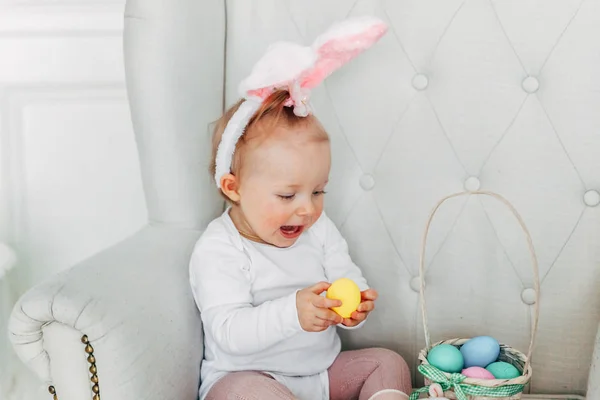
[(246, 294)]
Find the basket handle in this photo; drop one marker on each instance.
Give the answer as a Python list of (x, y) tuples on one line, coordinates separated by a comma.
[(534, 263)]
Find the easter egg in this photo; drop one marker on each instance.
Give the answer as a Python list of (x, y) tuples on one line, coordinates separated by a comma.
[(446, 358), (480, 351), (477, 373), (503, 370), (348, 293)]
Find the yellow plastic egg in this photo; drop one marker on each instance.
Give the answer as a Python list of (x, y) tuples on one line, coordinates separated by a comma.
[(347, 291)]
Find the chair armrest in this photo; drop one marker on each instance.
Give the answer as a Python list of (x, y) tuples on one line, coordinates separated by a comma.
[(134, 304)]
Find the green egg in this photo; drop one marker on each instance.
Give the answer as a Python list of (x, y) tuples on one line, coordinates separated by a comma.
[(503, 370), (446, 358)]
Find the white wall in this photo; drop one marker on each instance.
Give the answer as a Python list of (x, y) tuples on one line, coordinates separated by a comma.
[(69, 175)]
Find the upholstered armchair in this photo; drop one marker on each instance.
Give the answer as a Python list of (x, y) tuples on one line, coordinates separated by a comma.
[(457, 96), (129, 307)]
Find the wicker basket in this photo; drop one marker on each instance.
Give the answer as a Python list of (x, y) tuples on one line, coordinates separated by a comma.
[(456, 386)]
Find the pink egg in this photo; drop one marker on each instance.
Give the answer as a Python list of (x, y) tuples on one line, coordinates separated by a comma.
[(477, 373)]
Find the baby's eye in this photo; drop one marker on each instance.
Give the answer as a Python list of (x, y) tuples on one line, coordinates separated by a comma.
[(286, 196), (319, 193)]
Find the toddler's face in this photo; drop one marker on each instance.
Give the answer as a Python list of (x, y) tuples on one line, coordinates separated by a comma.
[(281, 185)]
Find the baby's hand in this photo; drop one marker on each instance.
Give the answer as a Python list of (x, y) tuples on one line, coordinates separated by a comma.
[(367, 305), (314, 311)]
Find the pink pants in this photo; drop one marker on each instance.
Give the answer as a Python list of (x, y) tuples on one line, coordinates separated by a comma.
[(357, 374)]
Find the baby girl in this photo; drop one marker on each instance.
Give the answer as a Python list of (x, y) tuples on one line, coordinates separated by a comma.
[(259, 271)]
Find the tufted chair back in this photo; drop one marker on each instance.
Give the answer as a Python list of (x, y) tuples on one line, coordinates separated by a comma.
[(459, 95)]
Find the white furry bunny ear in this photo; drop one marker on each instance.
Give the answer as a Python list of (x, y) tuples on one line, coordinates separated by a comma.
[(286, 64), (282, 63), (340, 44), (298, 69)]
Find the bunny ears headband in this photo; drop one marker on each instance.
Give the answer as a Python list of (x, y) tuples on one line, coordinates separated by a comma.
[(297, 69)]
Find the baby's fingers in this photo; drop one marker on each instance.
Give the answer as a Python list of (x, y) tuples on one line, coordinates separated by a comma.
[(369, 294), (324, 302), (358, 316), (350, 322), (328, 315), (366, 306)]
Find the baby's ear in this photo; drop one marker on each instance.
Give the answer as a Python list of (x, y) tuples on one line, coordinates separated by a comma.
[(229, 186)]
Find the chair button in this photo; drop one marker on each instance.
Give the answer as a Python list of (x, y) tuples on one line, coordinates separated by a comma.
[(367, 182), (420, 82), (591, 198), (530, 84), (528, 296), (415, 284), (472, 184)]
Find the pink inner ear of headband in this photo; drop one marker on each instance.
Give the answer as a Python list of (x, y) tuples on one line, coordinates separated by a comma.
[(336, 52), (330, 51)]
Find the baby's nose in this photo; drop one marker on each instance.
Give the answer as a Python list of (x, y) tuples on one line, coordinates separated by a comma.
[(306, 209)]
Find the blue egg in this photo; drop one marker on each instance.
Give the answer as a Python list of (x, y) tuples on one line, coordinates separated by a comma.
[(446, 358), (480, 351)]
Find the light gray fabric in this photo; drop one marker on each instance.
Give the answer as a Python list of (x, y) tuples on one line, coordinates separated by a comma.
[(69, 366), (496, 95), (174, 57), (134, 303), (593, 389)]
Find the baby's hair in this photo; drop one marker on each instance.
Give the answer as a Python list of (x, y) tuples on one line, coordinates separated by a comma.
[(272, 113)]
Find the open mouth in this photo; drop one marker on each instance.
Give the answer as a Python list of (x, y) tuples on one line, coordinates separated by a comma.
[(291, 231)]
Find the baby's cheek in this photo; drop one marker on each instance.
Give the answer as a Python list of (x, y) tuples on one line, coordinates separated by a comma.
[(273, 217), (319, 208), (275, 220), (318, 212)]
